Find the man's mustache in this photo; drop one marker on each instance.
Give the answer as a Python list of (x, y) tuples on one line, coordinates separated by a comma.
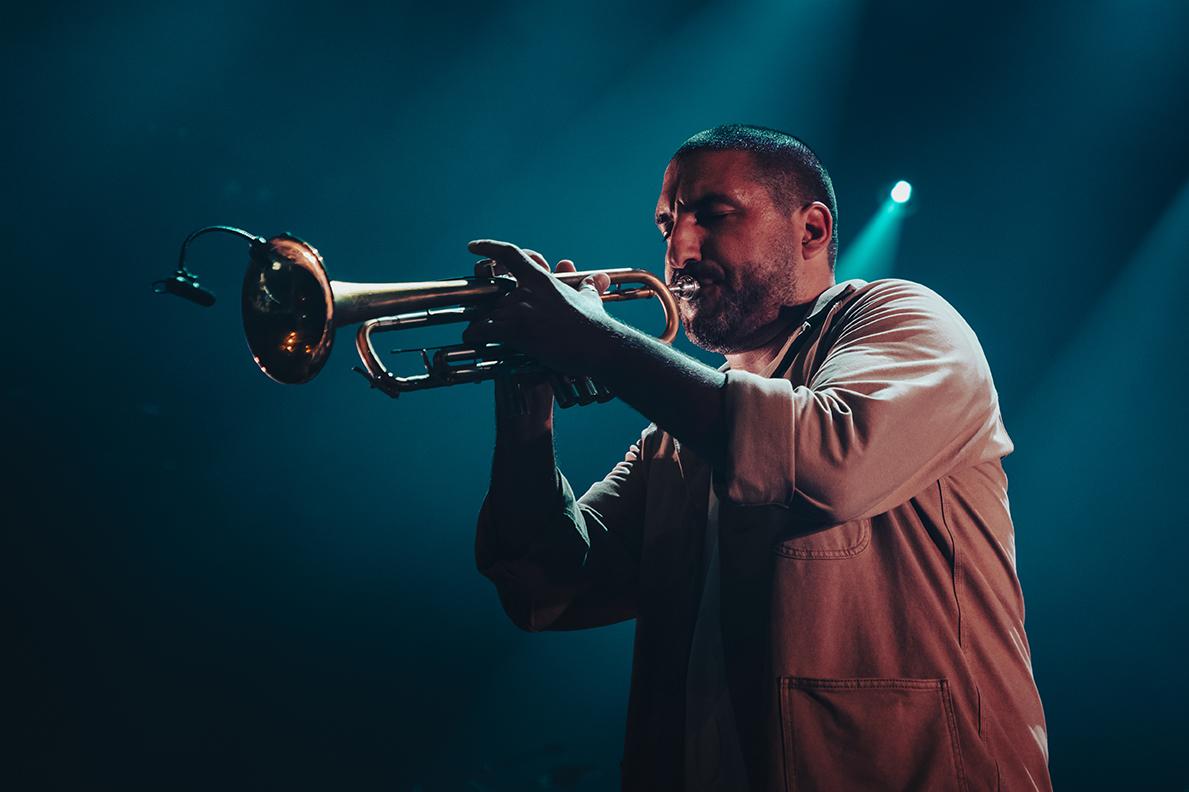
[(703, 272)]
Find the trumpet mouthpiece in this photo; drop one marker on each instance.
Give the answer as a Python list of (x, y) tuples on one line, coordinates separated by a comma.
[(684, 287)]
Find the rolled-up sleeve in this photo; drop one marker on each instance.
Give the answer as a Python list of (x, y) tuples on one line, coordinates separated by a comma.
[(579, 567), (536, 582), (902, 397)]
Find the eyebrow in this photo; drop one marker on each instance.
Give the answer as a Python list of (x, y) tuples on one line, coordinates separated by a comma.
[(700, 203)]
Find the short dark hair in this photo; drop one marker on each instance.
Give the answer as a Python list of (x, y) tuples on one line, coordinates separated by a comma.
[(785, 164)]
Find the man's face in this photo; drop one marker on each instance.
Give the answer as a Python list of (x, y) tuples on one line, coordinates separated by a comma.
[(722, 228)]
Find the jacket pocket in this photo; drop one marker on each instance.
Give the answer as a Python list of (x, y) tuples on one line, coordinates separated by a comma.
[(841, 735), (837, 541)]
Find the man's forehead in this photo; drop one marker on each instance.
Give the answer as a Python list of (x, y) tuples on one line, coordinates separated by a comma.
[(701, 172)]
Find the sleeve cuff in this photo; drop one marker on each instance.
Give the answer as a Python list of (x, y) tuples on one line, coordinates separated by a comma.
[(761, 455), (556, 553)]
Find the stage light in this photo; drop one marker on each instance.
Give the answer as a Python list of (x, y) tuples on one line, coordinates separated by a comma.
[(901, 192)]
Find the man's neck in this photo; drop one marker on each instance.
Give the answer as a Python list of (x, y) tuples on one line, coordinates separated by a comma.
[(760, 356)]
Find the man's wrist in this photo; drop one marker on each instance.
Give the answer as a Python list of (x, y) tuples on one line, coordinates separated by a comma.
[(603, 349), (646, 373), (522, 430)]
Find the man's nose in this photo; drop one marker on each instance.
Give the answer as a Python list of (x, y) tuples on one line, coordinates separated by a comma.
[(685, 244)]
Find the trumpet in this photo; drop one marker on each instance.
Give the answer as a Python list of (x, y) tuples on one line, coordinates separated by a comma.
[(291, 310)]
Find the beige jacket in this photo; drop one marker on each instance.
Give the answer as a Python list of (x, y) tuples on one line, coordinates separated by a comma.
[(873, 624)]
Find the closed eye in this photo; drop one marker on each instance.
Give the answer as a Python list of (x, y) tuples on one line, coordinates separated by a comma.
[(707, 218)]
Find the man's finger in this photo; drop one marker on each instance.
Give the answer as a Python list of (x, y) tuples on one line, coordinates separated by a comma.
[(538, 258), (599, 282), (565, 265), (518, 262)]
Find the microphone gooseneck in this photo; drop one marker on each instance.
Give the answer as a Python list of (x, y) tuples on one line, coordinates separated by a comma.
[(184, 283)]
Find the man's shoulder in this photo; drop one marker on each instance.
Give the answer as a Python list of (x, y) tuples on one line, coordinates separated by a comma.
[(905, 318), (895, 297), (886, 289)]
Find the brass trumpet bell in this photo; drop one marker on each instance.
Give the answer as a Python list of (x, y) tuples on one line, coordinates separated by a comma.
[(288, 309)]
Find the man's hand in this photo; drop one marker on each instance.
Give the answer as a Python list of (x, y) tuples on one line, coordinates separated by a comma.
[(567, 330), (551, 322)]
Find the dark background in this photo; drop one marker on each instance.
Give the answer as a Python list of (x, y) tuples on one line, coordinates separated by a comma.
[(214, 581)]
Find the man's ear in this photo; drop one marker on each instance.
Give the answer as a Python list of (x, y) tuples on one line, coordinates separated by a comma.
[(819, 227)]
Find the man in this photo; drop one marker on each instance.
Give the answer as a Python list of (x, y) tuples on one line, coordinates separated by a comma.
[(814, 540)]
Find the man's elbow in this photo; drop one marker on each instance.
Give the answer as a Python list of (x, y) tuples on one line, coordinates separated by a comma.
[(831, 502), (838, 511), (519, 611), (830, 495), (533, 613), (748, 485), (530, 591)]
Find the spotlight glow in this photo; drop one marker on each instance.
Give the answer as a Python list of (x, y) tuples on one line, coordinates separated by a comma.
[(901, 192)]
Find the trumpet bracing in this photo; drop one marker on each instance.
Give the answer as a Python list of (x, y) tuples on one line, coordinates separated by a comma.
[(291, 310)]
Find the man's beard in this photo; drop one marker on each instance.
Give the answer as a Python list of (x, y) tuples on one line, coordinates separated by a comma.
[(741, 308)]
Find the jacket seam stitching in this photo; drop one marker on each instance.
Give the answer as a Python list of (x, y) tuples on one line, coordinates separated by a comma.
[(947, 702), (831, 555), (957, 585), (956, 574)]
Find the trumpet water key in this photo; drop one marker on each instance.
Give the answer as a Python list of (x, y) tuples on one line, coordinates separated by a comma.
[(291, 310)]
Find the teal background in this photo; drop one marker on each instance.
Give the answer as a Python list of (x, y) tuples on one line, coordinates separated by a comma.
[(213, 581)]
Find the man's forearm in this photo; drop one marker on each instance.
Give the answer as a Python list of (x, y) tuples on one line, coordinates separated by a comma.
[(523, 493), (679, 394)]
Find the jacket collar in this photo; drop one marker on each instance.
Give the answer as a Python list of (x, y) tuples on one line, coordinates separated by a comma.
[(827, 297), (821, 306)]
